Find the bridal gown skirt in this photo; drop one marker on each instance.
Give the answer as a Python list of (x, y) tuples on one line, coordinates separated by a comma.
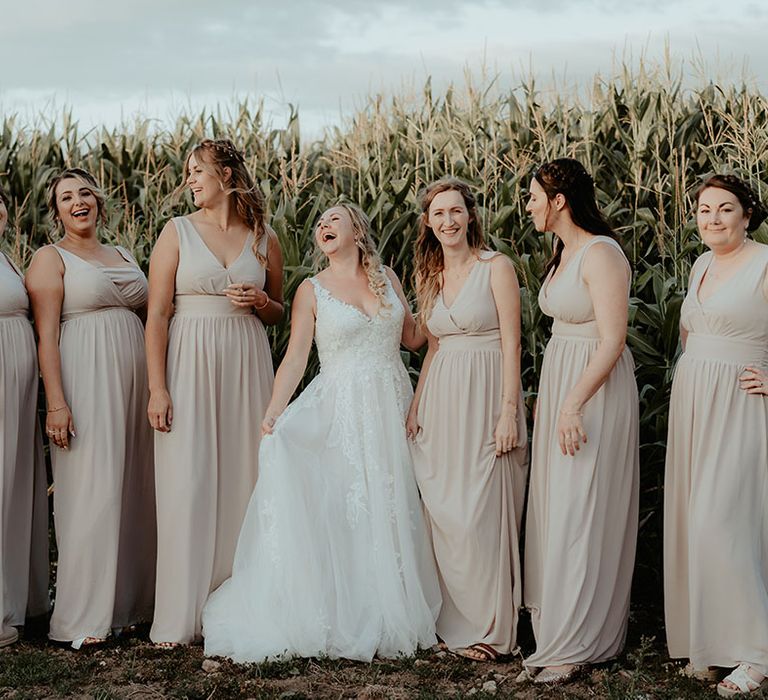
[(333, 557)]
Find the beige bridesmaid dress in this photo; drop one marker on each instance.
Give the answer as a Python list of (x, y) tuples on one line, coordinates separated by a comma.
[(219, 374), (103, 503), (716, 487), (473, 500), (23, 497), (582, 519)]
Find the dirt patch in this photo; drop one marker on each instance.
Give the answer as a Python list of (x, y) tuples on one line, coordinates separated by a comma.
[(132, 668)]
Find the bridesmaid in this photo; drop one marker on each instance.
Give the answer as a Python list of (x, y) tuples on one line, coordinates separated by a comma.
[(716, 489), (467, 423), (215, 280), (582, 516), (23, 499), (85, 297)]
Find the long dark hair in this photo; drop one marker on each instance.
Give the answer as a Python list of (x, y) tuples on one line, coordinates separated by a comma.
[(4, 198), (568, 177), (748, 198)]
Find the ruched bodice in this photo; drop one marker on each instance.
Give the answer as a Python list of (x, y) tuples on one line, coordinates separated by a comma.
[(567, 299), (199, 271), (346, 336), (471, 320), (13, 295), (90, 287), (731, 312)]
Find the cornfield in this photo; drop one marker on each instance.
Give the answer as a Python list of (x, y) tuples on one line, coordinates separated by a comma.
[(645, 137)]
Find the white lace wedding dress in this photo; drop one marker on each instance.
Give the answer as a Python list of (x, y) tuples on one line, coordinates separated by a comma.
[(333, 557)]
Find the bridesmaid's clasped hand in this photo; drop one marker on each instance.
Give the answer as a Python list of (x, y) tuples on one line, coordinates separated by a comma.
[(247, 294)]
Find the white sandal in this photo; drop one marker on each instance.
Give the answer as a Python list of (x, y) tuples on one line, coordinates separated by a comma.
[(742, 680)]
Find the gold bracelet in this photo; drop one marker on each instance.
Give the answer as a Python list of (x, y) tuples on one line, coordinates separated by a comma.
[(571, 413), (263, 306), (53, 410)]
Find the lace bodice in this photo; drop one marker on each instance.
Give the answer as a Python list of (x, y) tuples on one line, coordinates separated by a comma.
[(347, 338)]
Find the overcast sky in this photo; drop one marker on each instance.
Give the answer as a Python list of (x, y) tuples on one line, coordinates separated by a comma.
[(110, 60)]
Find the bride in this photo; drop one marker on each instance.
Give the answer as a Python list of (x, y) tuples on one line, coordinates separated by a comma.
[(333, 557)]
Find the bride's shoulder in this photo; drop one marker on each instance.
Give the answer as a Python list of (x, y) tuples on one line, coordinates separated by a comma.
[(306, 293)]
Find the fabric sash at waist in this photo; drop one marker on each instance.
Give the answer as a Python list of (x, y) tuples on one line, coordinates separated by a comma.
[(12, 314), (489, 340), (207, 305), (586, 330), (90, 312), (699, 346)]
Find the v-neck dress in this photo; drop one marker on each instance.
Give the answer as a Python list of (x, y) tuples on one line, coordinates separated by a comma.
[(103, 503), (582, 518), (473, 499), (23, 499), (716, 486), (219, 375)]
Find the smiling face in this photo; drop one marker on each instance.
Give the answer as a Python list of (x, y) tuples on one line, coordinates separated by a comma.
[(203, 183), (76, 206), (449, 219), (721, 219), (538, 206), (335, 230)]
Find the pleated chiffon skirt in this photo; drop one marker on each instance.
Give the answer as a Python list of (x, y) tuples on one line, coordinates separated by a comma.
[(219, 375), (582, 510), (473, 500), (104, 484)]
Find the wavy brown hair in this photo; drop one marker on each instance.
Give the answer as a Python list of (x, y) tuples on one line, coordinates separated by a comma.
[(429, 262), (4, 198), (369, 255), (748, 198), (87, 180), (246, 197)]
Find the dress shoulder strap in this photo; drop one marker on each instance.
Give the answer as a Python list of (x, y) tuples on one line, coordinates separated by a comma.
[(263, 246), (64, 254), (601, 239)]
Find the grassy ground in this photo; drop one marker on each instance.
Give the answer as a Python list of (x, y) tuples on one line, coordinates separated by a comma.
[(132, 668)]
